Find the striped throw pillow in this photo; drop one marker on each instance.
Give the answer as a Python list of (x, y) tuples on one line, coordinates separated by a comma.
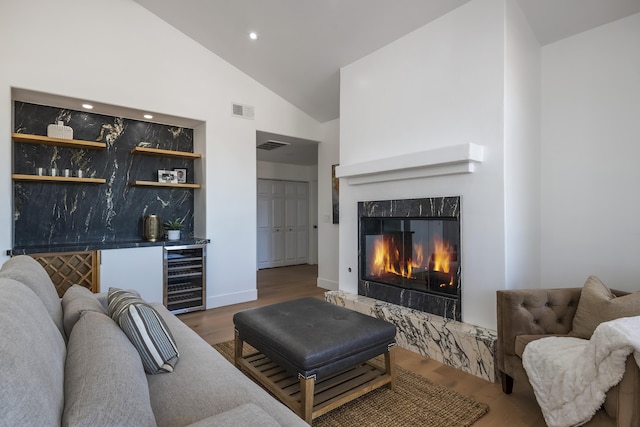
[(145, 329)]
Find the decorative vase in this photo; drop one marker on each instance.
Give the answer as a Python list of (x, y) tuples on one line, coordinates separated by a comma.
[(152, 228), (59, 130), (173, 234)]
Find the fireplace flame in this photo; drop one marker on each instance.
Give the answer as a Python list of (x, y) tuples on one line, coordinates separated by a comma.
[(419, 253), (387, 258), (441, 258)]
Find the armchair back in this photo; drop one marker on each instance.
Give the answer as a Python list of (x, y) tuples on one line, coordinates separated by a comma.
[(527, 314), (532, 312)]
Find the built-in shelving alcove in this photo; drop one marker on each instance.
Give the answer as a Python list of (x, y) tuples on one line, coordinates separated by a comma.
[(119, 157)]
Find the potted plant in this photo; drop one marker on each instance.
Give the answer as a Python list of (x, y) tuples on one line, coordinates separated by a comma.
[(173, 229)]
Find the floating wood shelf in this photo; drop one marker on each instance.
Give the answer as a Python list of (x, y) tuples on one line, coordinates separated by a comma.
[(165, 153), (69, 179), (163, 184), (45, 140)]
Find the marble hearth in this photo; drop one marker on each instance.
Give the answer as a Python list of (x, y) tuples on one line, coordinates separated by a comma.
[(463, 346)]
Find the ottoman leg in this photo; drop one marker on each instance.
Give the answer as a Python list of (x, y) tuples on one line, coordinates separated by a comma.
[(306, 398), (390, 365), (237, 349)]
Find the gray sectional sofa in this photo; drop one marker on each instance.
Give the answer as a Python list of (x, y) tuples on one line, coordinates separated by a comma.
[(66, 362)]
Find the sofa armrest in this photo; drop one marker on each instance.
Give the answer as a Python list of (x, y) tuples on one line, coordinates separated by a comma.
[(533, 312), (626, 410)]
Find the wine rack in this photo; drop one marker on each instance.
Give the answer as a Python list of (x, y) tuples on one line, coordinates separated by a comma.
[(184, 278)]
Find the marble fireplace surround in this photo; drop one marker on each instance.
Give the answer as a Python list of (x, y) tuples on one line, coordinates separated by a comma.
[(470, 348), (436, 208), (463, 346)]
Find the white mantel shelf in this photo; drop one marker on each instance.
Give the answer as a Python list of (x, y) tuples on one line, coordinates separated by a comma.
[(456, 159)]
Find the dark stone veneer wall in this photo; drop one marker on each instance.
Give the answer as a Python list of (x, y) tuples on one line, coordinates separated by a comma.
[(64, 213)]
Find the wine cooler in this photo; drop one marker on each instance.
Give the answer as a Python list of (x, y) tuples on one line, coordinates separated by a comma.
[(184, 278)]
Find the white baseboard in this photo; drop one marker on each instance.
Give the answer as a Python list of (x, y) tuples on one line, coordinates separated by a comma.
[(229, 299), (327, 284)]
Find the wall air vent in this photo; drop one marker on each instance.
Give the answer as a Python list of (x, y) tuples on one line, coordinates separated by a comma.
[(272, 145), (244, 111)]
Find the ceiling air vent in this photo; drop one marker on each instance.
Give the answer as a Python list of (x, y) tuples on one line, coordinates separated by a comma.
[(243, 111), (272, 145)]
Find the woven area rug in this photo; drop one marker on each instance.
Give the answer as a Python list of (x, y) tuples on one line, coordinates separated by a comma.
[(415, 401)]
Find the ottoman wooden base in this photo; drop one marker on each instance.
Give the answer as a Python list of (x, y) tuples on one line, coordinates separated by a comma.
[(308, 398)]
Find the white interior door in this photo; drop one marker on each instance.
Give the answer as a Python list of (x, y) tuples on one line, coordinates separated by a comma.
[(283, 225), (302, 223), (277, 224), (270, 239), (290, 222), (264, 225)]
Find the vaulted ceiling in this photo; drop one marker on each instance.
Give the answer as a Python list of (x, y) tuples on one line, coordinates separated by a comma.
[(302, 45)]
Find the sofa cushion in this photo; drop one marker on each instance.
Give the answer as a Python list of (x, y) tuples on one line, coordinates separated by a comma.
[(28, 271), (32, 358), (208, 384), (523, 340), (76, 300), (105, 384), (146, 330), (598, 304), (248, 414)]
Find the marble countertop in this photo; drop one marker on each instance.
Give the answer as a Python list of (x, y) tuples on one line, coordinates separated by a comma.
[(93, 246)]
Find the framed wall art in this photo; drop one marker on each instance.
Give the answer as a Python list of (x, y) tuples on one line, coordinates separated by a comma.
[(167, 177), (335, 195), (181, 174)]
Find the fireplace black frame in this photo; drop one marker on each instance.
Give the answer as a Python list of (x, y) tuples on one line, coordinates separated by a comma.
[(428, 208)]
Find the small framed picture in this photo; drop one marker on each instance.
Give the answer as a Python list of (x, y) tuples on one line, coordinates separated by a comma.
[(167, 177), (182, 175)]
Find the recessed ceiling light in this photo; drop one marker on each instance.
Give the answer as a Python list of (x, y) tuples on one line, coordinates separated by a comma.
[(148, 116), (87, 106), (253, 36)]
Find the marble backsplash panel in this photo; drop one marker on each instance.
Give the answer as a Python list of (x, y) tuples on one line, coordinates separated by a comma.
[(46, 213), (470, 348)]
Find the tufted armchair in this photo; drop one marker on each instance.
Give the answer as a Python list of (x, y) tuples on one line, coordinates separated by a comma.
[(528, 314)]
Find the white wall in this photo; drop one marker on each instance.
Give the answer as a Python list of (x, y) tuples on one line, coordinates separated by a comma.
[(590, 152), (441, 85), (328, 247), (286, 172), (554, 200), (118, 53), (522, 151)]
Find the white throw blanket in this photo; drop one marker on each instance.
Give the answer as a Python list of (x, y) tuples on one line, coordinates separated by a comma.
[(570, 376)]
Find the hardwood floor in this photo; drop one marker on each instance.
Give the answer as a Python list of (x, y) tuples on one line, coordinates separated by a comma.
[(288, 283)]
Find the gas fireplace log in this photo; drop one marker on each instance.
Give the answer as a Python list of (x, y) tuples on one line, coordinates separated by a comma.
[(437, 279)]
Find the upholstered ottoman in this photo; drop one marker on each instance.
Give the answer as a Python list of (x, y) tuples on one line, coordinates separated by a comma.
[(314, 355)]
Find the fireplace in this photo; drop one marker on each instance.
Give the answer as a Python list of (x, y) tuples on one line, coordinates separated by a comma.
[(409, 253)]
